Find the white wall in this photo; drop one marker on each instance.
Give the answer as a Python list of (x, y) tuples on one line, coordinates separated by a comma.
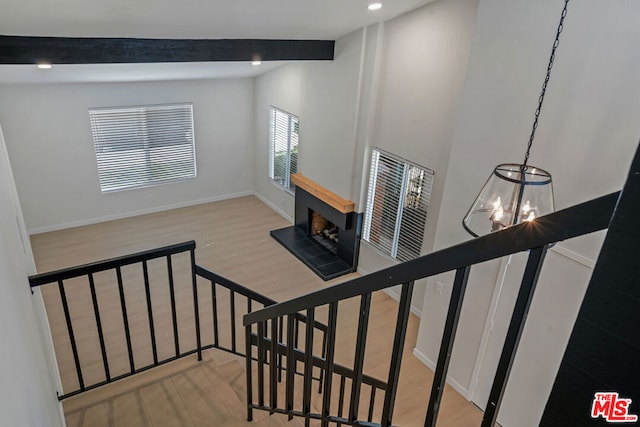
[(51, 149), (422, 72), (328, 111), (393, 85), (28, 395), (324, 94), (279, 88), (588, 132)]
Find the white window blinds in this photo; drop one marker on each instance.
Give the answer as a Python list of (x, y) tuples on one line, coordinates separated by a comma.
[(143, 145), (397, 203), (283, 140)]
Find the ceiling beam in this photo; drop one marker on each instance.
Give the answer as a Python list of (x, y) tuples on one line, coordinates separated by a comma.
[(67, 50)]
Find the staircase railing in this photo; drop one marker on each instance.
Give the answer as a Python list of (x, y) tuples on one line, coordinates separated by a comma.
[(268, 352), (205, 312), (75, 315), (535, 237)]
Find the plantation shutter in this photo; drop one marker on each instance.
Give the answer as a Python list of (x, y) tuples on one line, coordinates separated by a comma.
[(397, 202), (144, 145)]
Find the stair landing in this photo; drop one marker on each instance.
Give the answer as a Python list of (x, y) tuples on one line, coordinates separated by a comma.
[(181, 393)]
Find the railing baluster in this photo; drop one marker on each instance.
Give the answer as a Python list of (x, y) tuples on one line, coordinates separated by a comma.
[(125, 319), (358, 364), (372, 402), (172, 295), (518, 319), (90, 271), (330, 340), (341, 398), (297, 333), (196, 308), (72, 337), (96, 312), (446, 346), (404, 309), (280, 337), (248, 368), (249, 305), (152, 332), (261, 363), (291, 364), (214, 313), (308, 365), (323, 355), (273, 368), (232, 310)]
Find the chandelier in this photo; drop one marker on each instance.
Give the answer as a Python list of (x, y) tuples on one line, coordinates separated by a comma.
[(515, 192)]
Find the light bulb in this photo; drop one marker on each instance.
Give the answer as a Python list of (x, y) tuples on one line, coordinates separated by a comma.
[(526, 208), (497, 204), (375, 6), (531, 216), (498, 214)]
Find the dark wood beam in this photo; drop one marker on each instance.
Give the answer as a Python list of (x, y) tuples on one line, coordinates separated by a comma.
[(65, 50)]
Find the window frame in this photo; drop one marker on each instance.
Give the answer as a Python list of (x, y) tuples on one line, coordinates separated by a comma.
[(293, 122), (133, 135), (398, 247)]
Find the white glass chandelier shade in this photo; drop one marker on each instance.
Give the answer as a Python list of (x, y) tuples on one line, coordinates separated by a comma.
[(513, 194)]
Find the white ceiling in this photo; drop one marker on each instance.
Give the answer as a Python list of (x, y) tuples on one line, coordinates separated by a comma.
[(207, 19), (98, 73)]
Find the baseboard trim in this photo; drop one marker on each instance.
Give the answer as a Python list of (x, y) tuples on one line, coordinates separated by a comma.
[(573, 256), (274, 207), (431, 365), (130, 214)]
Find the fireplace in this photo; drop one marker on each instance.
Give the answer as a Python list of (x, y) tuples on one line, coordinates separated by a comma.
[(324, 231), (326, 234)]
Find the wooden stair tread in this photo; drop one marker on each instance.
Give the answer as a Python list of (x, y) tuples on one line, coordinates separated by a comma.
[(210, 393)]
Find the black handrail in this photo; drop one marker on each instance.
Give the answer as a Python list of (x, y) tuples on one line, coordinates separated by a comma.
[(248, 293), (233, 286), (585, 218), (109, 264), (534, 236)]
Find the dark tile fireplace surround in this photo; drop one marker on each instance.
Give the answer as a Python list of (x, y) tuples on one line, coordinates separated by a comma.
[(319, 250)]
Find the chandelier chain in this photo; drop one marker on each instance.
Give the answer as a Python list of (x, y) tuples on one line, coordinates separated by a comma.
[(544, 84)]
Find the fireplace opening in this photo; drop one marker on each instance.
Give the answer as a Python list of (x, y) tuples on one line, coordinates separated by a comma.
[(323, 231)]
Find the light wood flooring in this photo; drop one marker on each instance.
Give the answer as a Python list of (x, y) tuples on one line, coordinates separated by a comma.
[(233, 240)]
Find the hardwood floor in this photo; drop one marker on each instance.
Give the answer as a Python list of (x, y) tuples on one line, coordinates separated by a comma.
[(233, 240)]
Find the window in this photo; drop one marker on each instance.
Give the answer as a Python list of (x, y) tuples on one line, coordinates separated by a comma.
[(142, 146), (397, 203), (283, 143)]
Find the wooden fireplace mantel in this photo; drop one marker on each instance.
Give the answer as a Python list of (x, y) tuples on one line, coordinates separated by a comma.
[(329, 197)]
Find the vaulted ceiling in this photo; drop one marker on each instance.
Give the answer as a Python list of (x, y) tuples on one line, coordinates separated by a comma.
[(181, 19), (210, 19)]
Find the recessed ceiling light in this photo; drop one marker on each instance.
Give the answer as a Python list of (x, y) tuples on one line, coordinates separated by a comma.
[(375, 6), (255, 63), (44, 66)]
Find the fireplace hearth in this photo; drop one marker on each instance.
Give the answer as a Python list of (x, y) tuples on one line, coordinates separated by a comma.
[(326, 234)]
